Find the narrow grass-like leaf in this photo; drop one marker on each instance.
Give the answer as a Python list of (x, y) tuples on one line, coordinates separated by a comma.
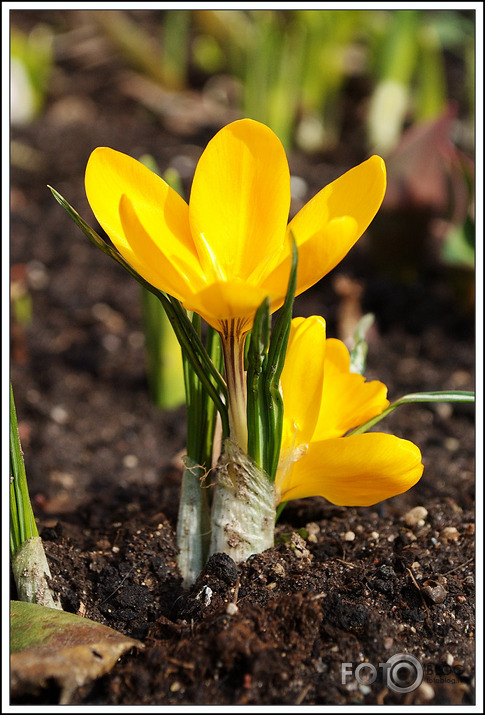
[(186, 335), (22, 521), (256, 404), (201, 413), (273, 367), (198, 356), (445, 396), (279, 510), (192, 389), (28, 560), (214, 350)]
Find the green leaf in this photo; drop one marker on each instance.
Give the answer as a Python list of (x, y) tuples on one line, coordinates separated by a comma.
[(273, 367), (445, 396), (256, 404), (279, 509), (22, 521)]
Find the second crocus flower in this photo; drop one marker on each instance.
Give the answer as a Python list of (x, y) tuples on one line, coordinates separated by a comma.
[(323, 401)]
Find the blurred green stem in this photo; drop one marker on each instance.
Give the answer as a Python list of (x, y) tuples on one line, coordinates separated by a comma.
[(137, 47), (390, 99), (163, 355)]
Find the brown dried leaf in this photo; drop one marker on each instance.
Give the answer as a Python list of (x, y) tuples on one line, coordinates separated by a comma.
[(51, 645)]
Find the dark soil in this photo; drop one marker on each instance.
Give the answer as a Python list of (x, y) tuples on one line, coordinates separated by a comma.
[(341, 585)]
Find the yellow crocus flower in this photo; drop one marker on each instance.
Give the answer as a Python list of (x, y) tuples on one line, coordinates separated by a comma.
[(323, 400), (228, 248)]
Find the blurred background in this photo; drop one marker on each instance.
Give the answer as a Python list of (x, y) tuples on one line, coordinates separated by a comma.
[(336, 86)]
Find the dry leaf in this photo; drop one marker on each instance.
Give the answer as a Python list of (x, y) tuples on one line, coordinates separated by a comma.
[(51, 645)]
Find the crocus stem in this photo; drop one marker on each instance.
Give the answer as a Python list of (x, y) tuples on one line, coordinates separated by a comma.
[(233, 351), (243, 509)]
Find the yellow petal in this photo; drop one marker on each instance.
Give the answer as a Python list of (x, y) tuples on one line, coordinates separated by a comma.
[(225, 302), (149, 226), (240, 201), (315, 258), (347, 400), (357, 193), (327, 227), (353, 471), (143, 254), (302, 378)]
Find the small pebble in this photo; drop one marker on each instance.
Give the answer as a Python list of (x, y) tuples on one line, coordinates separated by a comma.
[(37, 275), (444, 409), (450, 533), (65, 480), (407, 537), (59, 415), (448, 659), (416, 516), (313, 531), (349, 536), (434, 590), (452, 444), (130, 461)]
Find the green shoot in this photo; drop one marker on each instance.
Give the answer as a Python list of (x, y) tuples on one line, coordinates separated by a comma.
[(22, 522), (29, 564)]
